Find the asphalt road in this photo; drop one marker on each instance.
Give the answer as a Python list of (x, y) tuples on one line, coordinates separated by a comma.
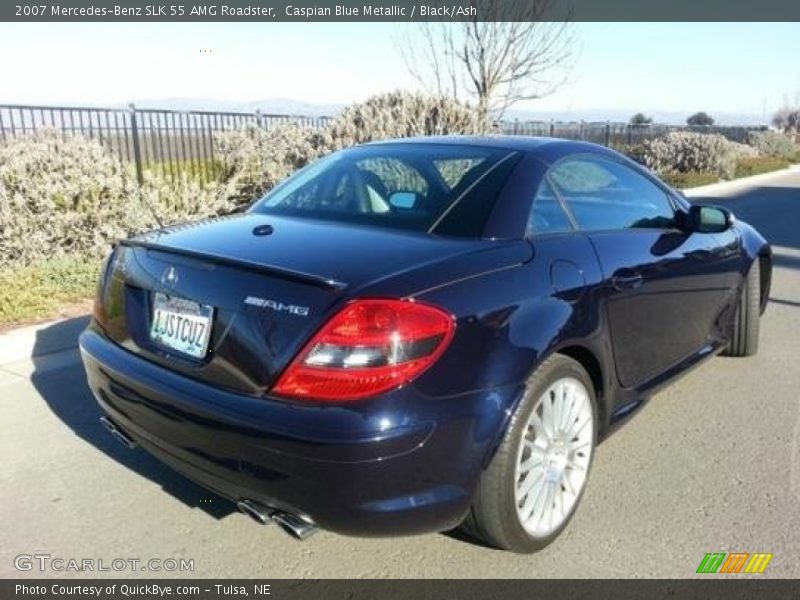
[(711, 464)]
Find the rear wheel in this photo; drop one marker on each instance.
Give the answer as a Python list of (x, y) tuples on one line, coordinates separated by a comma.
[(536, 479), (744, 341)]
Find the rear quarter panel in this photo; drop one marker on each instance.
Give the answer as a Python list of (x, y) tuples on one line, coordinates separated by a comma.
[(511, 319)]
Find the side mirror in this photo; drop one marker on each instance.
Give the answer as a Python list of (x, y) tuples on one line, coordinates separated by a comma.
[(704, 218), (403, 199)]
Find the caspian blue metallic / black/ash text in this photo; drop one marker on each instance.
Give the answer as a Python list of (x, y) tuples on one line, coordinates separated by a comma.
[(412, 335)]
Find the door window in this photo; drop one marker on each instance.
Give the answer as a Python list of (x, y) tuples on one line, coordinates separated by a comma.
[(604, 194)]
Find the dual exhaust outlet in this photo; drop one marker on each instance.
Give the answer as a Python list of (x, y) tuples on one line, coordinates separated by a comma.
[(120, 435), (295, 526), (292, 524)]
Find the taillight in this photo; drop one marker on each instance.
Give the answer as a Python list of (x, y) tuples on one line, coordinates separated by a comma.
[(368, 347), (98, 310)]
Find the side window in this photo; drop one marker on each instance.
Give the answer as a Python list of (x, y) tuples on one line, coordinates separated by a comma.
[(547, 214), (603, 194)]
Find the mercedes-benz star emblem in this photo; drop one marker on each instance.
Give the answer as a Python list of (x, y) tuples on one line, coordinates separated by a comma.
[(169, 277)]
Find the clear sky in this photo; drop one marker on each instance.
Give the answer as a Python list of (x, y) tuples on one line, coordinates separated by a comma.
[(718, 67)]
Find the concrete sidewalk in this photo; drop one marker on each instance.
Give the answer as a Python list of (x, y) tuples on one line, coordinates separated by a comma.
[(31, 341), (39, 347), (724, 187)]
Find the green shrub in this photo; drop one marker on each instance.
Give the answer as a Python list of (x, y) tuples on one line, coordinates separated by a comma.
[(401, 114), (204, 170), (184, 198), (684, 152), (633, 151), (689, 179), (70, 196), (62, 196), (772, 143), (759, 164), (257, 159), (260, 158), (743, 150)]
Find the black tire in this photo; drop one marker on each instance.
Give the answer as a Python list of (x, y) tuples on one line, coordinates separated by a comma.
[(493, 517), (744, 340)]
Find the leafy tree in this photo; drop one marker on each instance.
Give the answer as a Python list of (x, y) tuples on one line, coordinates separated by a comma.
[(700, 119), (787, 119), (640, 119)]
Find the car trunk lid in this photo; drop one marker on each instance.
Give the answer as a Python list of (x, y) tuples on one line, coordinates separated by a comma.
[(269, 282)]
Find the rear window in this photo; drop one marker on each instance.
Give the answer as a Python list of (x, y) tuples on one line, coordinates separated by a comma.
[(415, 187)]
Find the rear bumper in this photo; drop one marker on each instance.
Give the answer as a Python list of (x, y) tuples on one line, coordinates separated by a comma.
[(398, 464)]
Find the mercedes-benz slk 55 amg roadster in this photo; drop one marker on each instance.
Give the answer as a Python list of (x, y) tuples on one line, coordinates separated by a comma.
[(412, 335)]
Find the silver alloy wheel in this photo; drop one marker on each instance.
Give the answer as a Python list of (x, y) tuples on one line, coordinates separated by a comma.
[(554, 456)]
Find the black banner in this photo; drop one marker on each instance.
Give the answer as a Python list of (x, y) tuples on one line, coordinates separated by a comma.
[(398, 10), (732, 588)]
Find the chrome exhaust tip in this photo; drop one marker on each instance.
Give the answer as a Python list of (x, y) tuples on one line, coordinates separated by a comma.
[(122, 437), (259, 513), (295, 526)]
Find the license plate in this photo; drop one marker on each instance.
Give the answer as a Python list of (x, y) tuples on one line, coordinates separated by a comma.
[(180, 324)]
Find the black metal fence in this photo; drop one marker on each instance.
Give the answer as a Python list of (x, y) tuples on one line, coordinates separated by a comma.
[(605, 133), (171, 141), (615, 134), (175, 142)]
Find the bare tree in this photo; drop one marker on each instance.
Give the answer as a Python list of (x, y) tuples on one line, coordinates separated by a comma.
[(494, 63), (787, 118)]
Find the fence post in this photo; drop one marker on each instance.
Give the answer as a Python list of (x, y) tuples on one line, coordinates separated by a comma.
[(630, 134), (608, 133), (259, 121), (581, 130), (552, 128), (137, 153)]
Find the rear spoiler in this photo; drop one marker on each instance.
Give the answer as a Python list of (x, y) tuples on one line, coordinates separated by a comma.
[(316, 280)]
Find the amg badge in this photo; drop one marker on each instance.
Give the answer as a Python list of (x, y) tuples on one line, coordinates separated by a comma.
[(300, 311)]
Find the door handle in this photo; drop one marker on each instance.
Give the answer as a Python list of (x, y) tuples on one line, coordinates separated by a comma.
[(625, 279)]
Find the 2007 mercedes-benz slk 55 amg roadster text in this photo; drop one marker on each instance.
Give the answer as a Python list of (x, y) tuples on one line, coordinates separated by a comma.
[(412, 335)]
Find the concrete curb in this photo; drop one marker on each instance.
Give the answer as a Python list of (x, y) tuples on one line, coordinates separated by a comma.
[(736, 184)]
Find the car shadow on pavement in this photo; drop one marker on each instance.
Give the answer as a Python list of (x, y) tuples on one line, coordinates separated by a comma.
[(460, 535), (63, 387), (784, 302)]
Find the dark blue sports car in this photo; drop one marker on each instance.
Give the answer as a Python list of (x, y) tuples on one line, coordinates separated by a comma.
[(413, 335)]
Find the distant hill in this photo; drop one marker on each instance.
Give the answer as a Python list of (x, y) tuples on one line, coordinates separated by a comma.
[(624, 115), (289, 106), (297, 107), (278, 106)]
